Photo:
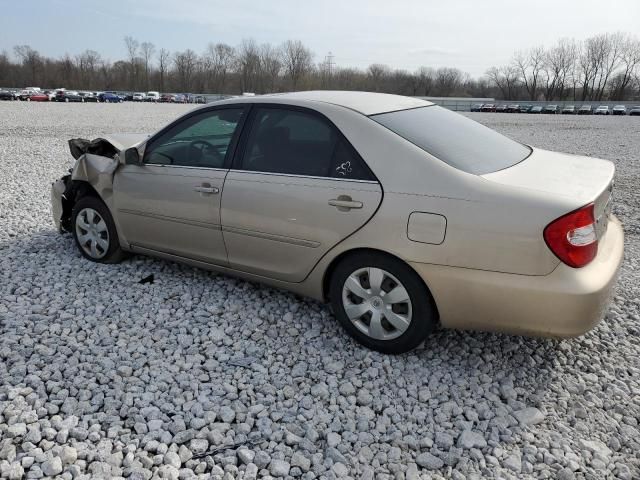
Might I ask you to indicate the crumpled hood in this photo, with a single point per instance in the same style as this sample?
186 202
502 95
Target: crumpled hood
122 141
107 145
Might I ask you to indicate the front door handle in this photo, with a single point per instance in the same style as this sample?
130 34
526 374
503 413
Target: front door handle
206 188
344 203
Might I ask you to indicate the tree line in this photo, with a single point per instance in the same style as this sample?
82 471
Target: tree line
601 67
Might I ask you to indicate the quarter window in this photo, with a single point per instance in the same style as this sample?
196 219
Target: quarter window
299 143
198 141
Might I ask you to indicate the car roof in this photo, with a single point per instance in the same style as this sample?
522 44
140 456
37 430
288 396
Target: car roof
366 103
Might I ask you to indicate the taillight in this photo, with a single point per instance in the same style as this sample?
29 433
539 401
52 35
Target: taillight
572 237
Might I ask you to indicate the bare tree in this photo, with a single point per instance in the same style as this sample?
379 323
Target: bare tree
530 65
630 62
270 67
219 60
185 63
132 50
248 61
378 73
448 80
147 49
506 79
30 59
163 63
558 68
298 61
88 63
425 77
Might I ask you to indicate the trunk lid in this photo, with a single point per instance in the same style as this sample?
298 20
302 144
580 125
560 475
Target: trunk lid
581 180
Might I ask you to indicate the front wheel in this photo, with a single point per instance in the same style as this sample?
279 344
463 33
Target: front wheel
95 232
382 303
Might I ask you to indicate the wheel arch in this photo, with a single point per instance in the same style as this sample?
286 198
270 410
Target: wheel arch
328 273
76 189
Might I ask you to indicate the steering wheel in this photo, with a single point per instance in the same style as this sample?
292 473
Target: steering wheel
204 145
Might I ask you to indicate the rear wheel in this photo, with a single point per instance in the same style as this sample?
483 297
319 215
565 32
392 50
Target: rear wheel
95 232
382 303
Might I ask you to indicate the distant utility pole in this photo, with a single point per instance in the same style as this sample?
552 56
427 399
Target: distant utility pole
329 62
328 70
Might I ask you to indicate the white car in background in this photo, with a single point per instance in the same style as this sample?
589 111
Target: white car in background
139 97
153 96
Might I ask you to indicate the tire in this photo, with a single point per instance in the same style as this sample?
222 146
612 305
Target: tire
101 244
352 275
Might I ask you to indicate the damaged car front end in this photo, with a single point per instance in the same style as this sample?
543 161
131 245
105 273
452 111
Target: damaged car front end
96 162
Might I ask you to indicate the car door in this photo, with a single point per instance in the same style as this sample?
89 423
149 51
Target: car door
171 201
296 189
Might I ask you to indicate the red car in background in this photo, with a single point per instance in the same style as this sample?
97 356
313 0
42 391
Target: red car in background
38 97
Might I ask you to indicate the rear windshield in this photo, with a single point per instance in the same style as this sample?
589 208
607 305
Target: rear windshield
455 139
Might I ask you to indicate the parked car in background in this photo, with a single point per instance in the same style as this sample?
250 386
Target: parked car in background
51 94
88 96
501 108
635 111
619 110
569 110
139 97
602 110
536 109
166 98
200 99
585 110
525 108
68 96
37 97
179 98
553 109
152 96
477 107
7 95
25 94
109 97
488 107
482 234
513 108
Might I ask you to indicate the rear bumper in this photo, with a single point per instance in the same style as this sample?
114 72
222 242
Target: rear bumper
566 303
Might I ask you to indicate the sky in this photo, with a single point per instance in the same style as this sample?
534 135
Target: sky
472 35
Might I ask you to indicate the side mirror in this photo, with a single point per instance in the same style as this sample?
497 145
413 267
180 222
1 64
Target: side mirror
132 156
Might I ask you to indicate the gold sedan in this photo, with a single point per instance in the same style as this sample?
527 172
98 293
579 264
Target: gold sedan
402 214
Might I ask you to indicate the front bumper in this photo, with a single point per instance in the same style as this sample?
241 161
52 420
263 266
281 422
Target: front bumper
57 191
566 303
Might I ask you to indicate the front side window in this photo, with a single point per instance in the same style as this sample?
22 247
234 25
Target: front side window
198 141
455 139
299 143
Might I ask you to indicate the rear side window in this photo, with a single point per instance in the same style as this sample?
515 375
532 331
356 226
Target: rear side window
455 139
299 143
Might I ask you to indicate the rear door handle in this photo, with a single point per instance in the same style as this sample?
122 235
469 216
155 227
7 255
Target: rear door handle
206 189
344 203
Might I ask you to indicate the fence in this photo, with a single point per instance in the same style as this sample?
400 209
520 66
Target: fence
465 104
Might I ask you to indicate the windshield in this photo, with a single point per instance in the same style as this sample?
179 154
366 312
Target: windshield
455 139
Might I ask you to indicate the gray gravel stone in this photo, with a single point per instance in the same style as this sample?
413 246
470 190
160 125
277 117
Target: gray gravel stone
52 467
429 461
279 468
529 416
470 439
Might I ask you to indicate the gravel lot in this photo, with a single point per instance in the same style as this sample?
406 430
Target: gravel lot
103 377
